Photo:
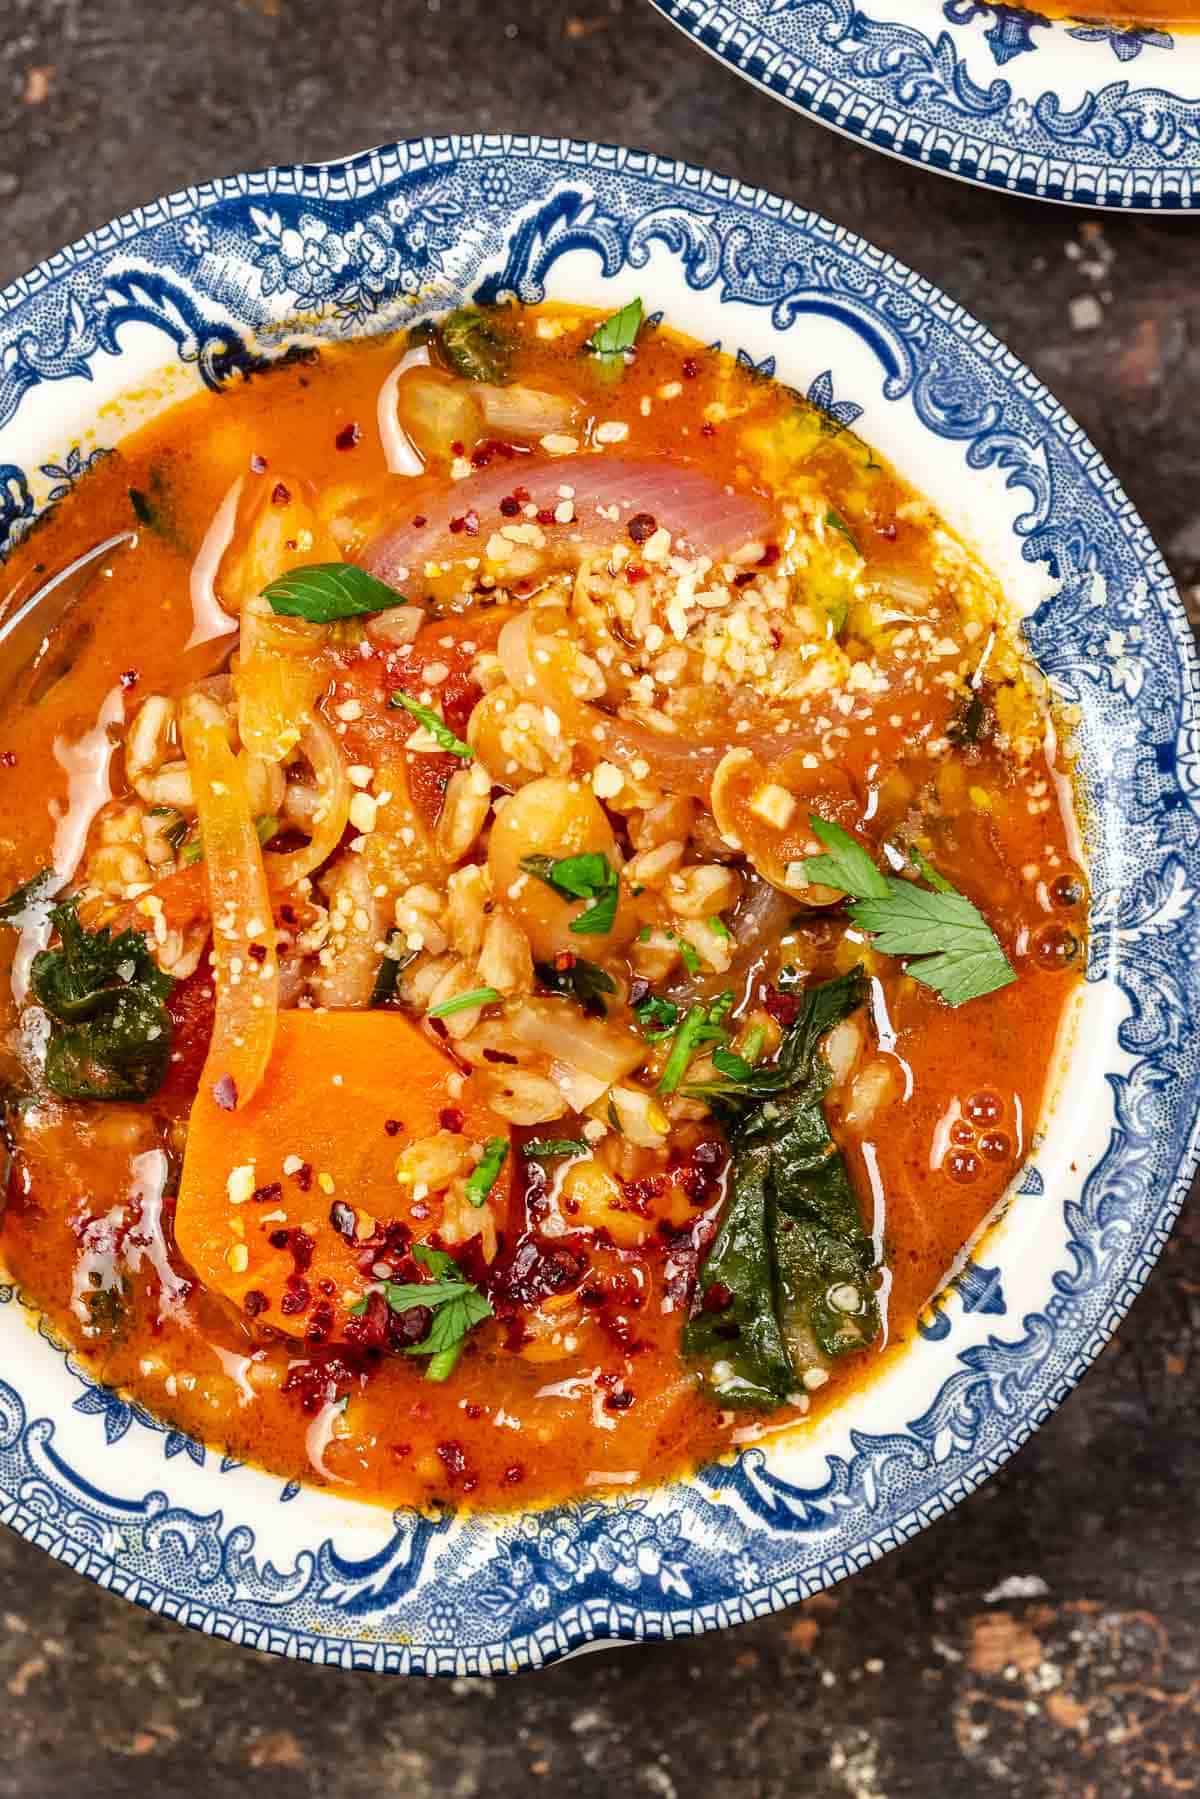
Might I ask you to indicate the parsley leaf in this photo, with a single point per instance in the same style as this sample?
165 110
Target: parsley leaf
618 333
947 942
581 980
486 1173
456 1303
589 876
437 727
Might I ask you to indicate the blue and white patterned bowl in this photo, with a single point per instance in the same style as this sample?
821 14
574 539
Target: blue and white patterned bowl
195 290
1093 114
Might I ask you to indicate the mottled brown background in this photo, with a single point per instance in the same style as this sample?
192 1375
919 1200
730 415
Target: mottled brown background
1045 1639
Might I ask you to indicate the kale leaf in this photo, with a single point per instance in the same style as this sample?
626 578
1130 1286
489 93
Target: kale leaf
474 347
110 1032
787 1281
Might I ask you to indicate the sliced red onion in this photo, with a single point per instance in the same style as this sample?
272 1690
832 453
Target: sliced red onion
704 517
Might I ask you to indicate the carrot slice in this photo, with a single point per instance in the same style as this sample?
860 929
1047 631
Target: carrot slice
279 1198
243 952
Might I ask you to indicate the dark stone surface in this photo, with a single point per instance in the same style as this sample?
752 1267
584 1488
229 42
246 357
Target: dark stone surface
1043 1640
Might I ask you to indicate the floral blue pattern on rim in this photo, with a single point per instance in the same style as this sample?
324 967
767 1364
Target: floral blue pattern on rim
214 274
1077 122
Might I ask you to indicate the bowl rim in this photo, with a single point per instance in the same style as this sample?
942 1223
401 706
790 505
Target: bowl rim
1049 154
595 1624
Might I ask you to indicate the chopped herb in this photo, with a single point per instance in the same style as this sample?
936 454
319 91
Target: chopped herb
438 729
463 1002
322 592
457 1306
836 522
618 333
590 876
837 612
110 1035
701 1025
487 1171
645 934
948 944
30 903
657 1017
581 980
390 969
474 347
845 864
729 1063
790 1270
719 926
688 954
546 1149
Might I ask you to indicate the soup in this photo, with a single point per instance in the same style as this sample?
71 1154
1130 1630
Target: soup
543 905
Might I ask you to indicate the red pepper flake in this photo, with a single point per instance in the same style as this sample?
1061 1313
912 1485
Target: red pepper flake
296 1299
303 1177
473 1412
744 578
258 464
225 1093
8 758
546 516
564 960
769 556
273 1190
456 448
514 1474
302 1246
254 1303
279 1239
716 1297
280 495
419 521
258 952
619 1402
690 369
510 506
708 429
288 914
400 1450
635 572
129 679
450 1119
348 436
392 1126
320 1324
887 532
641 526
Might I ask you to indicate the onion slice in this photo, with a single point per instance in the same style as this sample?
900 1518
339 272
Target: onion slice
245 966
704 517
209 617
399 451
318 743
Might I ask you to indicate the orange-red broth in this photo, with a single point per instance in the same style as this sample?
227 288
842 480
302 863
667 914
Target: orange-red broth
538 1422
